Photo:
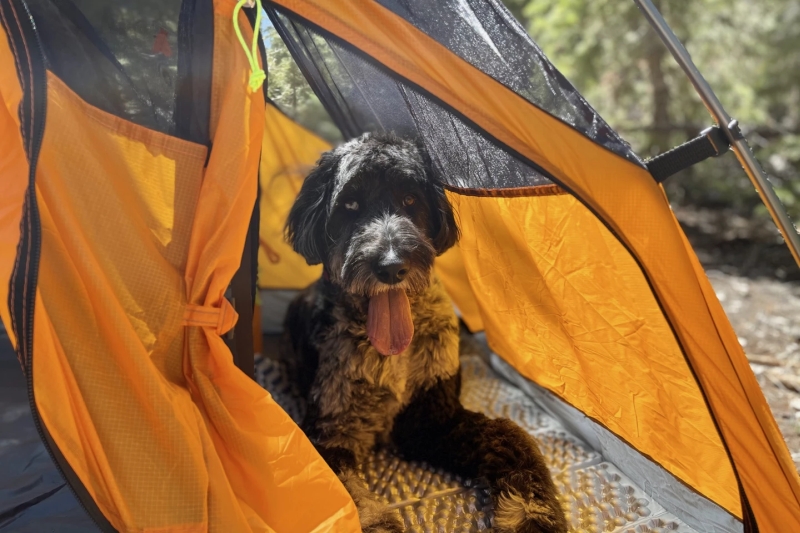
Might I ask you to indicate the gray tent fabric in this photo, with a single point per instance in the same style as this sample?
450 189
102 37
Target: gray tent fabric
34 498
657 483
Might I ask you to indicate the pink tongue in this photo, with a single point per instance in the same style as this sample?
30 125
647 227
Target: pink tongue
389 324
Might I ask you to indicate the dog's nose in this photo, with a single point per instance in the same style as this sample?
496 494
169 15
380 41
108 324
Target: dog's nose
392 271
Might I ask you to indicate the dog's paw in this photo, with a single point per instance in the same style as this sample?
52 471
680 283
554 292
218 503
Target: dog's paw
524 506
373 514
375 517
388 521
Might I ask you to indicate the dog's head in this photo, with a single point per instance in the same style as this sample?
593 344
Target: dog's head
375 216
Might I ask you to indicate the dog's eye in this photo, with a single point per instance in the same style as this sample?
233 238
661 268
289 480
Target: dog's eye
409 200
352 206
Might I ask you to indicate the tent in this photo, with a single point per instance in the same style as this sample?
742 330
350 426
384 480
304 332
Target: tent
130 153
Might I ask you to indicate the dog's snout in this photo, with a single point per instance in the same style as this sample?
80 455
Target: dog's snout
391 271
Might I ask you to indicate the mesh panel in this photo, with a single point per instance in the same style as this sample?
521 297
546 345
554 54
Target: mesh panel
288 90
121 57
362 96
486 35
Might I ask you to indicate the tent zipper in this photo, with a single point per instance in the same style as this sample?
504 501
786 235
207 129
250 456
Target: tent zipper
38 94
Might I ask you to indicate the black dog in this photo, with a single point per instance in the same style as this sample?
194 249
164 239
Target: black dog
375 340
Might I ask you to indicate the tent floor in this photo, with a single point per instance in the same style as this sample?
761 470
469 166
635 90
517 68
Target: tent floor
595 494
33 495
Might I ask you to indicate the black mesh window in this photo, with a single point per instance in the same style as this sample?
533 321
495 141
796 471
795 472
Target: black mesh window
289 91
361 95
486 35
123 57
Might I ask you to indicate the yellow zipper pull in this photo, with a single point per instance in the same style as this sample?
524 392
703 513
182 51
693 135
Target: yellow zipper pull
257 74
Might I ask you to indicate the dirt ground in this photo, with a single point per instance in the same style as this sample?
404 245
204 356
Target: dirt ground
758 284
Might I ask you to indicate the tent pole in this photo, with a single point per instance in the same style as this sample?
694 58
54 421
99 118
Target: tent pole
731 128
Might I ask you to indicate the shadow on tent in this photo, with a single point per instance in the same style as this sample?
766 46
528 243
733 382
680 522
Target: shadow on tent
33 495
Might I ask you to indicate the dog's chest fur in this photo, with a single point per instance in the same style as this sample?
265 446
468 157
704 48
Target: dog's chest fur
356 390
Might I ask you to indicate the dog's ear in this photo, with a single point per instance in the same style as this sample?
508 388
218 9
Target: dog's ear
305 227
444 230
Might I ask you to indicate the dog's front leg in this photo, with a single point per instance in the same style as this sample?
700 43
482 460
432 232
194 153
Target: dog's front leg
374 516
435 428
343 441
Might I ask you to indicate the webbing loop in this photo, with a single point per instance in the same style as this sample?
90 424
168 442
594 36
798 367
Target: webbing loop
221 317
712 142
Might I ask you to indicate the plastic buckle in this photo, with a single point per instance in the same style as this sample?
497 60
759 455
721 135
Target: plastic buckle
717 139
736 132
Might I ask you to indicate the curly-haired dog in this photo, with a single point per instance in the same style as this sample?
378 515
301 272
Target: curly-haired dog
375 340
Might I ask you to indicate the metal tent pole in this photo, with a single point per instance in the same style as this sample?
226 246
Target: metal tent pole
731 128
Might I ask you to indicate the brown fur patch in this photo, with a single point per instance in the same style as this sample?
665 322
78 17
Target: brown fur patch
373 515
512 510
356 391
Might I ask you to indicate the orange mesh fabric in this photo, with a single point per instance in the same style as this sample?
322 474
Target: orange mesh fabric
139 242
108 334
13 175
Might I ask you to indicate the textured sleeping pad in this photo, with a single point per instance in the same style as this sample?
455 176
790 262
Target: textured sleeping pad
596 496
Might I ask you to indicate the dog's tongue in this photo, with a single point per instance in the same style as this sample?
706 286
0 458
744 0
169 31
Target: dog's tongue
389 324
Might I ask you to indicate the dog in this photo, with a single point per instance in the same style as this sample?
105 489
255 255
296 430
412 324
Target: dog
374 342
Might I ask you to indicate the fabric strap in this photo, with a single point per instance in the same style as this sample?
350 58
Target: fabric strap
222 317
711 142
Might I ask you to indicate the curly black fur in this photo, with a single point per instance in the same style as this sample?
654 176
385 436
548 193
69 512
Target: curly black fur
367 202
435 428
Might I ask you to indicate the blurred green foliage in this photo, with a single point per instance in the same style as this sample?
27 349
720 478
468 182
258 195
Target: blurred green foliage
288 89
748 51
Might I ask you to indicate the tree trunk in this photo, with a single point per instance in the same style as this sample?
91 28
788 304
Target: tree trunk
659 137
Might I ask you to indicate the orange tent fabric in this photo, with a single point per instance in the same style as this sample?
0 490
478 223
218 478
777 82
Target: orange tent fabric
590 290
132 380
558 289
289 151
13 162
451 271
